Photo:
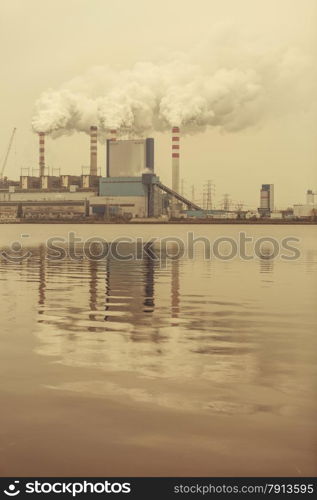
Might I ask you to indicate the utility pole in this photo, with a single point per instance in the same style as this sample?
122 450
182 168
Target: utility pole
182 187
239 207
193 193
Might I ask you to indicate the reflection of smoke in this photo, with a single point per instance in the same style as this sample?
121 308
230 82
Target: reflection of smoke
216 85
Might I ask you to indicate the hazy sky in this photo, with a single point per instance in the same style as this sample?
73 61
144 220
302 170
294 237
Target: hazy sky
47 43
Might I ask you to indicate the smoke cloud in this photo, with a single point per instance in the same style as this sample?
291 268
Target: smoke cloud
216 85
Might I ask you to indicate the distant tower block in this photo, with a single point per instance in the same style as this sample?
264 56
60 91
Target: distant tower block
310 197
175 158
113 134
42 153
267 198
93 150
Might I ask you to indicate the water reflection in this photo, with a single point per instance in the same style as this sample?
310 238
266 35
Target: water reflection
203 328
42 277
175 290
266 262
229 340
149 277
206 323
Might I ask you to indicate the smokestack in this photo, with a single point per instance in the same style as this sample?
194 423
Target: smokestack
175 158
42 153
93 151
112 138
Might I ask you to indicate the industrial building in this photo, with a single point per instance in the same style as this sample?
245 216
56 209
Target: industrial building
129 189
309 209
126 188
129 158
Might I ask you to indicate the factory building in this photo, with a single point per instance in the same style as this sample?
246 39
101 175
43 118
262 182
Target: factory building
54 210
266 200
131 183
50 196
307 210
138 195
130 186
310 197
43 209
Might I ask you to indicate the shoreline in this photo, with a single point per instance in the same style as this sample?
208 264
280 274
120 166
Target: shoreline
173 222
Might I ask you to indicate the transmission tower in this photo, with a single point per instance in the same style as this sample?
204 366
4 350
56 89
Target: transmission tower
208 194
226 202
182 187
193 193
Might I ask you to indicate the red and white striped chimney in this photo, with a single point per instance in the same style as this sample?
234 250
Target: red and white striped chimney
175 158
113 135
42 153
93 150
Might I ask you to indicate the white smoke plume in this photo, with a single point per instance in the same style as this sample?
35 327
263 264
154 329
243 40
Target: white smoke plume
222 87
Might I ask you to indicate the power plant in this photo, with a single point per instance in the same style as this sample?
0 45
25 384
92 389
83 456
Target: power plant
130 188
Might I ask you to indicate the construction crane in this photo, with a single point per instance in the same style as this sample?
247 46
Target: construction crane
7 154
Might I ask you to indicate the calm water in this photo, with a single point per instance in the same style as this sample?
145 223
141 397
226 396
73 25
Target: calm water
193 367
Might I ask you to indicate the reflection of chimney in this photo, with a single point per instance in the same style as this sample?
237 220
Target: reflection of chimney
93 291
93 150
149 282
175 158
113 135
42 277
42 153
175 290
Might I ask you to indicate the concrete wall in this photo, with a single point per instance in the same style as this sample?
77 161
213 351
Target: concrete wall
68 180
129 157
47 195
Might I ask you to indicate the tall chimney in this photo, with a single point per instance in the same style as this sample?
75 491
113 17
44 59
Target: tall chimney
113 135
93 150
175 158
42 153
